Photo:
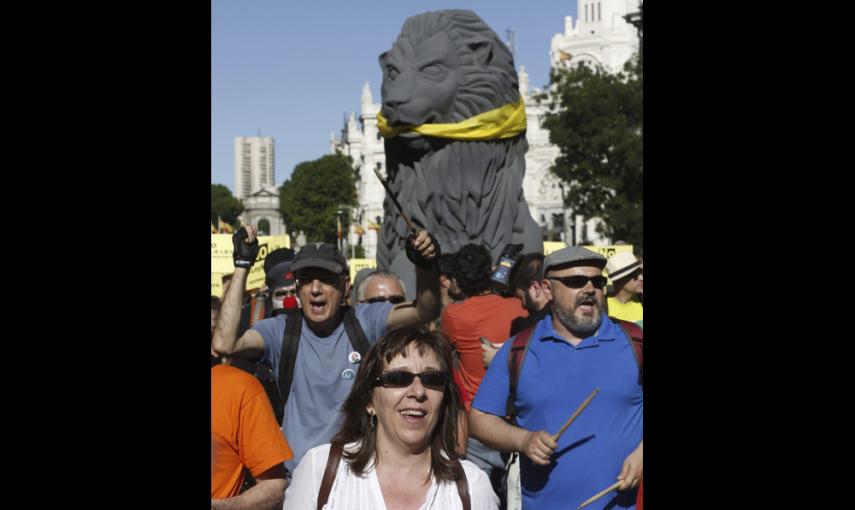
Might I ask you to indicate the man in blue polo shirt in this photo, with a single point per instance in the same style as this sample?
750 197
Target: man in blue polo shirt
572 351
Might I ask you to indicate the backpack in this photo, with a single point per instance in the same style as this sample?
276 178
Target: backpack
291 342
332 469
264 373
633 334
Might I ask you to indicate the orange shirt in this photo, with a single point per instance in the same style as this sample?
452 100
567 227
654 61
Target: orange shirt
466 322
244 431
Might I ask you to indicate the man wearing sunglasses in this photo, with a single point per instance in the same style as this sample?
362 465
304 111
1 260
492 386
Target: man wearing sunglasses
627 277
381 286
571 352
326 361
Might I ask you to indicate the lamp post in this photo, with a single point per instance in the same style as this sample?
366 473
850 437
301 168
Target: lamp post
342 236
571 218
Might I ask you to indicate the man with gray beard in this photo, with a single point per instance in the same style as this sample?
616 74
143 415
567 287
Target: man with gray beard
569 353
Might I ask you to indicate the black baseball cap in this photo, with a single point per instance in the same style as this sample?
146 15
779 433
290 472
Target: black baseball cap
322 255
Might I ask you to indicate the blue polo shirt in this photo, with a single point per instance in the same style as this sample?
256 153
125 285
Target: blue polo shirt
556 377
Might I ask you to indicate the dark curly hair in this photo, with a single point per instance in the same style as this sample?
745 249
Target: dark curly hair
357 427
472 267
528 268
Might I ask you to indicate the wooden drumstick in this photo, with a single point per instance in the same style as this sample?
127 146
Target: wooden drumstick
576 413
600 494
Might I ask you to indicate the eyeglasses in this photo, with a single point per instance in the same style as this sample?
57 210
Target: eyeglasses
392 299
402 379
578 281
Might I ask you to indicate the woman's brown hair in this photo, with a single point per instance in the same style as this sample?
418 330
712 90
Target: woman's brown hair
357 427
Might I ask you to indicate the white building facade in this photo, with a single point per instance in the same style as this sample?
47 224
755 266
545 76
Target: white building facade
255 184
254 164
262 210
601 36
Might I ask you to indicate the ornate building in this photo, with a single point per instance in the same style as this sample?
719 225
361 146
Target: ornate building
255 177
600 36
262 210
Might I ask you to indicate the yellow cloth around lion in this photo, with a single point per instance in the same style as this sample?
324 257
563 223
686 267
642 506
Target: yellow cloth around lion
504 122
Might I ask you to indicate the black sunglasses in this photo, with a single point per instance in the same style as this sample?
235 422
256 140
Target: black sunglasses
392 299
401 379
578 281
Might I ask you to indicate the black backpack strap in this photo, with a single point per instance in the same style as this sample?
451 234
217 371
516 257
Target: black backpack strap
463 488
354 331
333 460
290 344
635 337
517 353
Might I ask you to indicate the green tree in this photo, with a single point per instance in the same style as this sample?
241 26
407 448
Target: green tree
311 199
224 205
596 122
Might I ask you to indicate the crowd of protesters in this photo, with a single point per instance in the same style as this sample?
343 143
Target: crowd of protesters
334 394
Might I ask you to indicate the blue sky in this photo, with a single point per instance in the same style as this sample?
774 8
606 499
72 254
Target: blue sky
294 69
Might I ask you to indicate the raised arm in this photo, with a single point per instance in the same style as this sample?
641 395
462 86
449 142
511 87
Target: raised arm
225 341
423 252
496 433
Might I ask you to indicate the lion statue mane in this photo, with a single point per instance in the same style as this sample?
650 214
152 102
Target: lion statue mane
444 68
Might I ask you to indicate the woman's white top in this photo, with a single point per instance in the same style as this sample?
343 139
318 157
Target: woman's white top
352 492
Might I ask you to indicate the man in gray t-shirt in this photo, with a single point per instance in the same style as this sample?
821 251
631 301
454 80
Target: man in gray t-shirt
326 364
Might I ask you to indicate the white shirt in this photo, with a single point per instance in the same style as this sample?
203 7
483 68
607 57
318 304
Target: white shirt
352 492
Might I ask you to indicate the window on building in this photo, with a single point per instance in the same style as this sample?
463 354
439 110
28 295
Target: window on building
599 12
263 227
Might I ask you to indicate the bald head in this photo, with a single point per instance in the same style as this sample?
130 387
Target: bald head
380 284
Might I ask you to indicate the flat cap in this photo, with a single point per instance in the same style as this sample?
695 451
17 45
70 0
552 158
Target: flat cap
575 255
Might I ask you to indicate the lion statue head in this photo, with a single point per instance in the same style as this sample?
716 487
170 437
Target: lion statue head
446 70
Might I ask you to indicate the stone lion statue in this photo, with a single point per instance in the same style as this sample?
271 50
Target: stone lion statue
454 128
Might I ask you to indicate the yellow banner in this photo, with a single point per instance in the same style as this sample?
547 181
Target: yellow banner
610 251
357 264
221 256
551 246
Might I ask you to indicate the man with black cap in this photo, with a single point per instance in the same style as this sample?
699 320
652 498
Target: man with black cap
569 353
280 282
327 354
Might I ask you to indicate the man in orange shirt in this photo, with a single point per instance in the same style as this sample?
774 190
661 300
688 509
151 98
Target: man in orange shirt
481 314
244 433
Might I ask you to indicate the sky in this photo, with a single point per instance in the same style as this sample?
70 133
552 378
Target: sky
293 69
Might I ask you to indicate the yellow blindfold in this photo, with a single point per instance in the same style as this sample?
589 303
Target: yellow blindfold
506 121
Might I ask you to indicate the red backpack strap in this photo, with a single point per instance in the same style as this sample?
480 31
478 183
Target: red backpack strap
329 474
635 337
516 355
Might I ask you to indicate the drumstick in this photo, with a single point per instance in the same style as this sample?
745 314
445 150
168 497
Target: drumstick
395 202
576 413
599 495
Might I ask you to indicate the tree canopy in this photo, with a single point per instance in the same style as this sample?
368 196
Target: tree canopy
596 122
311 199
224 205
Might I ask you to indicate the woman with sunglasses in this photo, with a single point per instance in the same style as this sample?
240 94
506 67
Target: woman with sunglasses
397 444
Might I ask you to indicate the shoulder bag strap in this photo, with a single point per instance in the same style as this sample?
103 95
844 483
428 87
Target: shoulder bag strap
329 474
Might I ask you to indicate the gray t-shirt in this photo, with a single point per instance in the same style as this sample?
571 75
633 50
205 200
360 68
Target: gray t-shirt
323 375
